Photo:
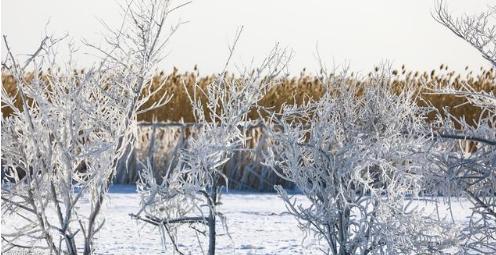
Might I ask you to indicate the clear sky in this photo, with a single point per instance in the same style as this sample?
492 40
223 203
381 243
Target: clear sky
359 33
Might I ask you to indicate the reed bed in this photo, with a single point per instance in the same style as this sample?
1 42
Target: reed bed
308 87
245 170
291 90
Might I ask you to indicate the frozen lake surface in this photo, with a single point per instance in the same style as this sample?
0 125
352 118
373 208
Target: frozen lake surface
257 222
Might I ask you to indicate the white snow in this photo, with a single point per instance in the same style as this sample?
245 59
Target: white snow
257 222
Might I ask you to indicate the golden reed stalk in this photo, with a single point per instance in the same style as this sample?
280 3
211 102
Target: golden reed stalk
306 87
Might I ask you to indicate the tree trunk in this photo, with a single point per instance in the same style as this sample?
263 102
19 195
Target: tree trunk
211 218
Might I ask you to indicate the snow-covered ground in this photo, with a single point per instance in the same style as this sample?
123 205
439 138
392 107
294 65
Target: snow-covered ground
257 224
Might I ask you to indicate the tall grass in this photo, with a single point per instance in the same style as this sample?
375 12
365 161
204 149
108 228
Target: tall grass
291 90
245 170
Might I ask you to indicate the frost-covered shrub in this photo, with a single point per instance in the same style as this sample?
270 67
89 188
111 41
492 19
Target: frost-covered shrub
64 141
468 174
472 173
198 176
358 155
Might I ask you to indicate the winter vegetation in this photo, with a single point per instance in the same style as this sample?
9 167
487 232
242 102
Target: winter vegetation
71 131
386 163
197 178
357 155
